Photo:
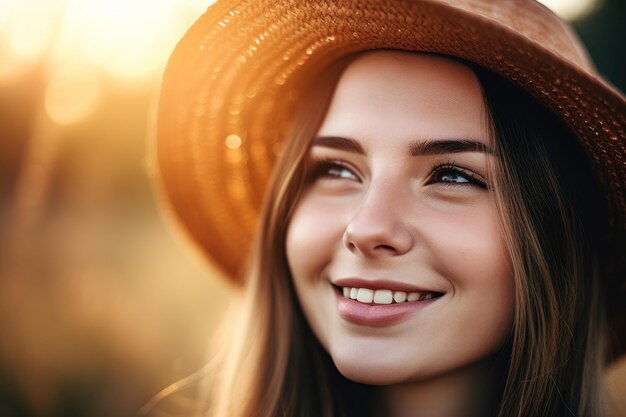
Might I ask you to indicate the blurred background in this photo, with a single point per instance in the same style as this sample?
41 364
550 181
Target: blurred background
102 304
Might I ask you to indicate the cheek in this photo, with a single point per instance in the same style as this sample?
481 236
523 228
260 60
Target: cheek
464 241
312 235
472 254
471 247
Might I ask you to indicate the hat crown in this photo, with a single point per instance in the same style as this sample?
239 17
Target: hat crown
532 20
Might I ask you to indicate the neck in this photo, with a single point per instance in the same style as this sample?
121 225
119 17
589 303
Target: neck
471 391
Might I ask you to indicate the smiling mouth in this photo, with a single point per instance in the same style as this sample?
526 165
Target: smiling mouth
385 296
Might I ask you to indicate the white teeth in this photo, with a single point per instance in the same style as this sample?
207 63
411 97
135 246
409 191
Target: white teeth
353 293
365 295
399 296
368 296
413 296
383 297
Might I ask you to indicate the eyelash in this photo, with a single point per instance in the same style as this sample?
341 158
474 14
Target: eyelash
320 166
451 167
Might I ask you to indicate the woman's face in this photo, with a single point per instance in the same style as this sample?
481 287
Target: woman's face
398 212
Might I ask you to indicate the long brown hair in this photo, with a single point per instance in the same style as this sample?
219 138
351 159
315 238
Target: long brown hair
552 219
554 222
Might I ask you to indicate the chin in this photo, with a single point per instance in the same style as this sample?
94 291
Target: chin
371 373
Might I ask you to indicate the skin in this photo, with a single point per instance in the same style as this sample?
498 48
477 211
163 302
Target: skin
380 212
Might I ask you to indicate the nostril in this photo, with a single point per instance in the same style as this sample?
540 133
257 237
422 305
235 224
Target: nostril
385 248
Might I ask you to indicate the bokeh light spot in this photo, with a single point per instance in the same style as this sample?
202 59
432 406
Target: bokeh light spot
571 9
233 142
30 30
71 95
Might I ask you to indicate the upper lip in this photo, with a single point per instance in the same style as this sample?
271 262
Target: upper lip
376 284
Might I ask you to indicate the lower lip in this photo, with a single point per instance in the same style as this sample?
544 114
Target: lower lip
377 315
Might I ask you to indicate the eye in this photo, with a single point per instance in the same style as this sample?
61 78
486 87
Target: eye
450 174
331 169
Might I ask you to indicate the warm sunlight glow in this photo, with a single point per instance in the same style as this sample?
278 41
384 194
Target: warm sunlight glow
125 38
571 9
71 95
128 40
30 29
20 47
11 66
6 10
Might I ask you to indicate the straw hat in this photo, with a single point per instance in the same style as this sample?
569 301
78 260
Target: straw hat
230 85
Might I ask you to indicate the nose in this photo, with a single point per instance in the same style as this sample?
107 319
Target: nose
377 227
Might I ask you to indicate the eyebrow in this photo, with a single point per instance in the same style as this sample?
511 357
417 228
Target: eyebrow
416 148
339 143
437 147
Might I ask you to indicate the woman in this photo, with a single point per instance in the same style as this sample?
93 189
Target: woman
434 240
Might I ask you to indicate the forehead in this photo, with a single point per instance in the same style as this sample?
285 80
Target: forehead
390 93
